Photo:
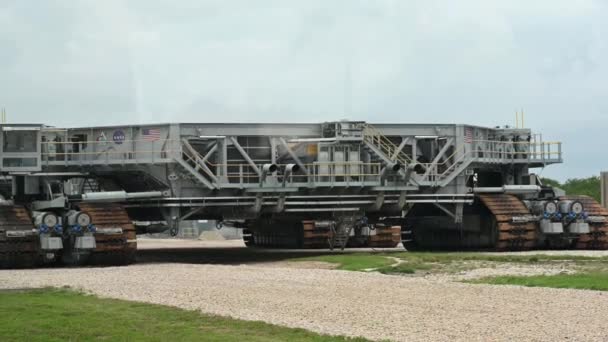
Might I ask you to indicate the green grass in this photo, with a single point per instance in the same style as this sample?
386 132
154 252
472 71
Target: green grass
432 257
585 281
63 315
444 262
352 261
405 268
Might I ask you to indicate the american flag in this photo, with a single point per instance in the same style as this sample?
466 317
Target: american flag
150 134
468 135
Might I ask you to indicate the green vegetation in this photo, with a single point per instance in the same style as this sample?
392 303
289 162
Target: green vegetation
406 267
455 257
411 262
578 186
586 281
61 315
354 261
591 272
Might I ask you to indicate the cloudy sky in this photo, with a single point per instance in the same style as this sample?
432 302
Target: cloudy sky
81 62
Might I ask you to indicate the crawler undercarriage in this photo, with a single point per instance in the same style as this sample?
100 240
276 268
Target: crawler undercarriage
503 222
77 196
66 236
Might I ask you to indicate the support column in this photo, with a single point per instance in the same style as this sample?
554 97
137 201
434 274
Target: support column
604 187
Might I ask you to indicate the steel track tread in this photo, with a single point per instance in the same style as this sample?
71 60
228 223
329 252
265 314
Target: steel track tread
511 235
22 252
315 237
598 238
386 237
111 249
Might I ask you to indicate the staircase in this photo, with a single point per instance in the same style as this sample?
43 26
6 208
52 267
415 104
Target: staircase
453 170
389 152
193 162
340 233
90 185
384 147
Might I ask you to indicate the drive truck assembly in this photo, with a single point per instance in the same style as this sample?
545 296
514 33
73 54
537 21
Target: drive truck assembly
74 195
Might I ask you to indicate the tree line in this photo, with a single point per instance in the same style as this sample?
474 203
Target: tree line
589 186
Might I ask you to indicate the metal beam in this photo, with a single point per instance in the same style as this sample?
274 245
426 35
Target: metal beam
280 204
404 142
378 202
402 199
245 156
191 212
446 210
439 155
293 155
208 154
378 152
404 173
195 156
194 173
273 150
257 206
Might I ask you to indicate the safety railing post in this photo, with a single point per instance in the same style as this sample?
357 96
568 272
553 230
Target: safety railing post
542 148
241 174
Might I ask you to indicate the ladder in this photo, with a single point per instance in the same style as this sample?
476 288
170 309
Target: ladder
340 233
385 146
390 152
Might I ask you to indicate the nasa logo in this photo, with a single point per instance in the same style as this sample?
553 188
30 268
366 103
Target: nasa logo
118 137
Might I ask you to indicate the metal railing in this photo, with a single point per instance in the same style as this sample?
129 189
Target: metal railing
385 145
85 153
534 151
106 152
492 151
316 172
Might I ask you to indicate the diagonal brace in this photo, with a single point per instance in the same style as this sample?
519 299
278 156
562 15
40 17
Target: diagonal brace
245 156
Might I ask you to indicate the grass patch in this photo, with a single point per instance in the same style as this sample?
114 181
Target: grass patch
61 315
430 257
407 267
399 269
354 261
449 262
584 281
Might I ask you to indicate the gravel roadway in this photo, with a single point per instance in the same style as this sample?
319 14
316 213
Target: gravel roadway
348 303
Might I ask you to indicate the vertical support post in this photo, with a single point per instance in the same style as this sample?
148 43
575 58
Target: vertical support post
241 175
175 145
273 150
458 212
542 151
222 160
414 150
273 155
133 154
604 188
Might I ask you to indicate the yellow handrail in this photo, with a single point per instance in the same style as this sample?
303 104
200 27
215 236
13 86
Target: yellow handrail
384 144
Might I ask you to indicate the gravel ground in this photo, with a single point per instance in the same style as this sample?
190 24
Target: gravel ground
501 269
587 253
350 303
148 243
155 244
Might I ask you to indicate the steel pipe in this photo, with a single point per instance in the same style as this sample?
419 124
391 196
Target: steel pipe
116 196
508 189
